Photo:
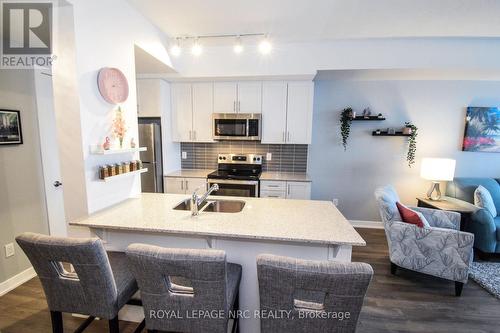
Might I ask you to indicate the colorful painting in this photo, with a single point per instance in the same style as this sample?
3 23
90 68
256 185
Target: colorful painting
482 130
10 127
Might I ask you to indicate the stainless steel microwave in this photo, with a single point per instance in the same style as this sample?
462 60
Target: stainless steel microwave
237 126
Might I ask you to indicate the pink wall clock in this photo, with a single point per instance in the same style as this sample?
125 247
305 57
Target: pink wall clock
113 85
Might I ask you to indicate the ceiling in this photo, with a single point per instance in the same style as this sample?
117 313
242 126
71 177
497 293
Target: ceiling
315 20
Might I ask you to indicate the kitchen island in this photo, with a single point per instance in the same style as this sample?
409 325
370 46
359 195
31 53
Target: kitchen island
306 229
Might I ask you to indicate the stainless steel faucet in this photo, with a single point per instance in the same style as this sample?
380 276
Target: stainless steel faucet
196 201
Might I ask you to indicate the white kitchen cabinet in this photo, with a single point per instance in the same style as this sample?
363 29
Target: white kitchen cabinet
149 98
299 112
285 189
179 185
182 112
287 112
225 97
238 97
298 190
192 107
196 183
249 97
274 111
203 101
174 185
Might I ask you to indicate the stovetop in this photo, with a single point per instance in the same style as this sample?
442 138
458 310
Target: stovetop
238 167
238 175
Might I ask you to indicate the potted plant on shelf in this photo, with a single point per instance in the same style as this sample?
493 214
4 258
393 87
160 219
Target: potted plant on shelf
411 130
345 125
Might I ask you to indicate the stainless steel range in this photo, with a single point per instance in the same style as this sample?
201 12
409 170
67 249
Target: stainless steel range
237 175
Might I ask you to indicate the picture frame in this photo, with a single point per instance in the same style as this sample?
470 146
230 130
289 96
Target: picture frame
10 127
482 130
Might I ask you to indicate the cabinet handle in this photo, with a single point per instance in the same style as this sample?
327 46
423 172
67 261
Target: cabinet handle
288 189
272 185
288 137
182 184
234 106
239 106
187 187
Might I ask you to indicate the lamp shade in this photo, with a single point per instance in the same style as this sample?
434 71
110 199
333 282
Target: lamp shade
438 169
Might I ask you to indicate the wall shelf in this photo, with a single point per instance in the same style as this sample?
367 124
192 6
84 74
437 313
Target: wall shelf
97 150
358 118
123 175
385 133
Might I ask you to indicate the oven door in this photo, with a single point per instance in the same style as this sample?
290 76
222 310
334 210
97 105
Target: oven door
235 188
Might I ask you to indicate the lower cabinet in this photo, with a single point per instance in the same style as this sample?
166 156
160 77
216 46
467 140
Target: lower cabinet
179 185
285 189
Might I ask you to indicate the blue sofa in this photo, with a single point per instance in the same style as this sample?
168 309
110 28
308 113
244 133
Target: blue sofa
486 228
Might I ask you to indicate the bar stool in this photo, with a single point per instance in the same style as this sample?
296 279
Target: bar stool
100 285
310 296
185 290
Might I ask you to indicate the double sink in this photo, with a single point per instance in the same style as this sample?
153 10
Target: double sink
214 206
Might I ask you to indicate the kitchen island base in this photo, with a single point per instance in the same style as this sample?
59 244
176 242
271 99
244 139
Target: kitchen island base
240 251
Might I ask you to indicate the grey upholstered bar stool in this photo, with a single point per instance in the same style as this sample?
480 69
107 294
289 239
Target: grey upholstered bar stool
183 281
99 287
317 294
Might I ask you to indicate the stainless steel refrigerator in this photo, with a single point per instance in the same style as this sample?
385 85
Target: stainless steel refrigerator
150 137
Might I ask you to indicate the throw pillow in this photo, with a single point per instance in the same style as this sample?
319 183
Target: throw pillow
411 216
483 199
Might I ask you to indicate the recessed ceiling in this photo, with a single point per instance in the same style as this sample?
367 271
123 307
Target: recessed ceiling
313 20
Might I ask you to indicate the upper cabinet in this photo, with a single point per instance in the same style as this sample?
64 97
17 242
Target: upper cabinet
148 98
238 97
286 108
192 108
287 112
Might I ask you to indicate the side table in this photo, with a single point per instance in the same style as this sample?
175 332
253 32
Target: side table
450 204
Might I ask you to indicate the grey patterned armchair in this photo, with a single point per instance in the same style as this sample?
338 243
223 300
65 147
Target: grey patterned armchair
441 250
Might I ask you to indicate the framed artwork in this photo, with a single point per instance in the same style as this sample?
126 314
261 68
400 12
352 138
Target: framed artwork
10 127
482 130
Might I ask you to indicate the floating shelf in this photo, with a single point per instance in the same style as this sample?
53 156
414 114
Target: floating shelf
358 118
385 133
97 150
123 175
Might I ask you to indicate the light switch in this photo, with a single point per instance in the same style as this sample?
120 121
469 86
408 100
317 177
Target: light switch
269 156
9 250
184 155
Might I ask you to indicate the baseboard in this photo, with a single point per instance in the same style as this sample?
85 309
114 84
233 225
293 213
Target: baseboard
16 281
367 224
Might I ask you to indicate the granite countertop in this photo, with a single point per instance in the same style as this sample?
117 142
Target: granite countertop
299 221
283 176
190 173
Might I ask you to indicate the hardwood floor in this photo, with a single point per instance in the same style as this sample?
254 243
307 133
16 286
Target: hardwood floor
407 302
414 302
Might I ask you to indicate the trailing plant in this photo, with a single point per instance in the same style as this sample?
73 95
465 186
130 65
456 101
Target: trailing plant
345 125
412 143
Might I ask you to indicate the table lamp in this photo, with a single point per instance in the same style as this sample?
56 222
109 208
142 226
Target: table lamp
436 170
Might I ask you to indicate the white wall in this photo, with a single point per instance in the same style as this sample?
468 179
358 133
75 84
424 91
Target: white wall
436 107
105 34
22 203
307 58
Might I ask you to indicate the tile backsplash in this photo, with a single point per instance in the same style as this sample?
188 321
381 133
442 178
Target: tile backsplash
285 158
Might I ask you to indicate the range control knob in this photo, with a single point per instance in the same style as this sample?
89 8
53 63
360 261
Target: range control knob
220 157
258 158
224 158
254 159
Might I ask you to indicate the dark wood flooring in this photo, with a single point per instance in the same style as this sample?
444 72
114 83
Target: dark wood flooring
407 302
